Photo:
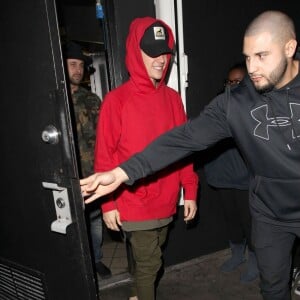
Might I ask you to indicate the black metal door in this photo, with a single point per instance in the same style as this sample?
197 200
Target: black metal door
44 252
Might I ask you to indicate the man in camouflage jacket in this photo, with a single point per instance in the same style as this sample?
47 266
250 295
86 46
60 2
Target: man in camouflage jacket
85 110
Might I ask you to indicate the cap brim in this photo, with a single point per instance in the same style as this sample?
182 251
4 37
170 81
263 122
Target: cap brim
86 59
153 52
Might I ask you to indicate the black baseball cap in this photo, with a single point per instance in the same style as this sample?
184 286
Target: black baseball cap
155 40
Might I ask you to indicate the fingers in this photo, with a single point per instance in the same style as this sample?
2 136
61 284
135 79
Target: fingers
85 181
189 217
190 209
91 198
113 226
118 219
102 183
112 219
97 185
90 183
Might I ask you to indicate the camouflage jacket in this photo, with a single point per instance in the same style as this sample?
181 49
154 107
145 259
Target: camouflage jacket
86 107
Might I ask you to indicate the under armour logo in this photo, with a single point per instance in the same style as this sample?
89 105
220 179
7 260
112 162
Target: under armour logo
264 122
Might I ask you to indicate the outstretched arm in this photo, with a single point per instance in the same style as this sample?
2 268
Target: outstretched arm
197 134
100 184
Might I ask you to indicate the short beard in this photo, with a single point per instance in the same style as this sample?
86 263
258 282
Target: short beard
265 89
75 82
275 77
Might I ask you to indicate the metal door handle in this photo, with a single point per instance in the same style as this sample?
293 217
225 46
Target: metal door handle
50 135
62 207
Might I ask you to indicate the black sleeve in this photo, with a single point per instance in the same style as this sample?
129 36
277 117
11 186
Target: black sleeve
195 135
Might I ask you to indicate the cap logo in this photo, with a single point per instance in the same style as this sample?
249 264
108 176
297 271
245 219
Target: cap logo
159 33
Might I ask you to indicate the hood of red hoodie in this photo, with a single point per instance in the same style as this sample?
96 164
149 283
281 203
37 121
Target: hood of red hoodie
134 62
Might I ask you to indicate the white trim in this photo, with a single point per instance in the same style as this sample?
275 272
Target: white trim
165 10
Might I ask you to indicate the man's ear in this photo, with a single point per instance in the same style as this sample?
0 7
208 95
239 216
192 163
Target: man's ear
290 48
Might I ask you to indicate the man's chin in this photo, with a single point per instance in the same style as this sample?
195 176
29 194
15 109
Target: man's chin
264 89
75 82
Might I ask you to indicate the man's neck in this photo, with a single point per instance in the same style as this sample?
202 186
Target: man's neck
296 67
155 82
74 88
291 72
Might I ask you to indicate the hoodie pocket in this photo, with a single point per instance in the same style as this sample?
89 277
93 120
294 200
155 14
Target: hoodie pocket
280 197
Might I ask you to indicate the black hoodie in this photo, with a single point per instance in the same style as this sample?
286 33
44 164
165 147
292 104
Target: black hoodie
265 127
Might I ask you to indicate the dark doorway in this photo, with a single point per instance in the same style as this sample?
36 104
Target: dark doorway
44 251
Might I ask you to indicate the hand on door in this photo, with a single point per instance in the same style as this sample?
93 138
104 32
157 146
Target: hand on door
103 183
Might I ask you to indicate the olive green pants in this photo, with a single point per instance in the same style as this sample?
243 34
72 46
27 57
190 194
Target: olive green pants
146 260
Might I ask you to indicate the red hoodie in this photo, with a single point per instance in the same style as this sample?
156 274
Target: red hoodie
132 116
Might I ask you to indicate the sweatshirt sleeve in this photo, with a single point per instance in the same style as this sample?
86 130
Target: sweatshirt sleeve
107 139
189 182
188 178
196 134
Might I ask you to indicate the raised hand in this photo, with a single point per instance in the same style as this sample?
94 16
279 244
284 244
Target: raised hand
103 183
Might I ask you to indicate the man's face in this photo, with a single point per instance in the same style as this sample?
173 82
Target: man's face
266 61
155 66
75 70
235 76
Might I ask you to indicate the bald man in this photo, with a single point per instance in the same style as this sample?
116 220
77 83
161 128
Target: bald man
262 114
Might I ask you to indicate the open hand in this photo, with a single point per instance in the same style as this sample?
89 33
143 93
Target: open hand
103 183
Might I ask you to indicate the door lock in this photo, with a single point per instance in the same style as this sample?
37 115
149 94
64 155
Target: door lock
60 202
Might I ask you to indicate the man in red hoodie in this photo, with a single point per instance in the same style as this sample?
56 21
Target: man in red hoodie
131 117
